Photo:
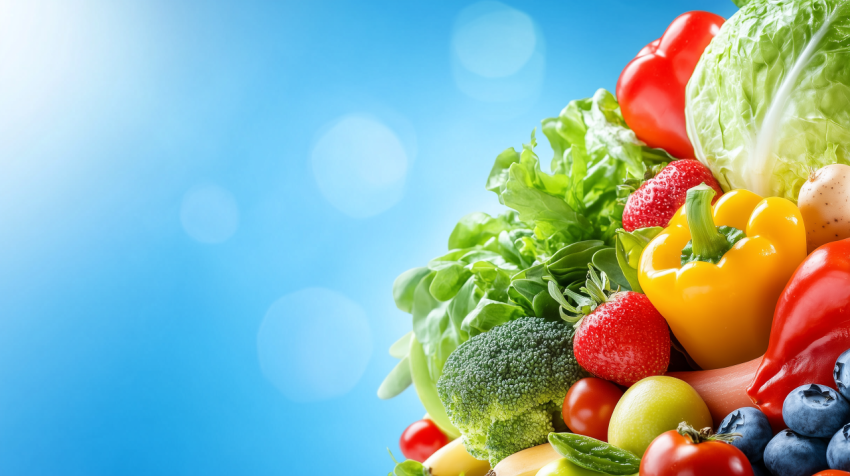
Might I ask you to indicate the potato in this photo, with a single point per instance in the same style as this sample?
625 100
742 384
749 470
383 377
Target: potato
824 202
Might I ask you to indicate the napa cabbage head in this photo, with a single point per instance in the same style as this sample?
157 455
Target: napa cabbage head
769 99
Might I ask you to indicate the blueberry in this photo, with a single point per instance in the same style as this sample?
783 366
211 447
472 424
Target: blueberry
754 428
838 451
790 454
815 410
759 469
841 373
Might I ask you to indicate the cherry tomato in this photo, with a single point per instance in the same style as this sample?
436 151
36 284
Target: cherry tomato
421 439
672 454
833 472
588 407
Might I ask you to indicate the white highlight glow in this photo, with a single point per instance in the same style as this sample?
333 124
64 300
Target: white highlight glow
314 344
209 214
498 53
496 43
360 166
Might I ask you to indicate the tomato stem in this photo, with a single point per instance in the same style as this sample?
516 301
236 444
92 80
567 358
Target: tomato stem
706 434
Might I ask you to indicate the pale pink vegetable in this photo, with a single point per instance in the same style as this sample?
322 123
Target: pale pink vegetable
824 202
723 390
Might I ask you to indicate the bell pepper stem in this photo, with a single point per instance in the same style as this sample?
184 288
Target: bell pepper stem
705 238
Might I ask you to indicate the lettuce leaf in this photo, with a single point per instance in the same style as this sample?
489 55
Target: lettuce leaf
595 152
768 100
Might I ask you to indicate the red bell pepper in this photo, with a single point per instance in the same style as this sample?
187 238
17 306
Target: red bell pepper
811 328
651 88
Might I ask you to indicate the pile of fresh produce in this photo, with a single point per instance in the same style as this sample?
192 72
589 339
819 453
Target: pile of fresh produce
673 297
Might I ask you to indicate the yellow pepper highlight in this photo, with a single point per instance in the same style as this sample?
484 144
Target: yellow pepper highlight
721 313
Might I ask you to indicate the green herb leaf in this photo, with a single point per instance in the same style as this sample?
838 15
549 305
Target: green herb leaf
404 286
397 381
408 467
476 228
595 455
606 261
447 281
489 314
629 247
401 347
545 306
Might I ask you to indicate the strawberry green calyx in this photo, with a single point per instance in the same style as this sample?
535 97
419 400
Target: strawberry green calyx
597 290
708 242
706 434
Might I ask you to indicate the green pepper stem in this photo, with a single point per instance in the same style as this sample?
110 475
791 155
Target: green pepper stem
705 239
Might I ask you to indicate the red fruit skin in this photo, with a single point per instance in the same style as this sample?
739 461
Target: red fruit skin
588 407
659 198
672 454
421 439
651 88
623 340
811 328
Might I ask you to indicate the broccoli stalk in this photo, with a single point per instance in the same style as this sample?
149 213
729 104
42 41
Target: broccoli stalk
504 389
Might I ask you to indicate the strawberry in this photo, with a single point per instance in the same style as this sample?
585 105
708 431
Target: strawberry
660 197
621 337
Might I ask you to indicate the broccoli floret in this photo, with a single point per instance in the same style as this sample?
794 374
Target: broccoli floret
504 389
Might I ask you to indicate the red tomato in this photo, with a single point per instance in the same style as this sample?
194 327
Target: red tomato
651 88
672 454
588 407
832 472
421 439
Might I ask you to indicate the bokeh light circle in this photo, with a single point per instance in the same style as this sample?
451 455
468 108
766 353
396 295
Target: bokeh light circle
497 42
498 54
209 213
314 344
360 166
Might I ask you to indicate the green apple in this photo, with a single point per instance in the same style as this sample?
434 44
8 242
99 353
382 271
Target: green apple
651 407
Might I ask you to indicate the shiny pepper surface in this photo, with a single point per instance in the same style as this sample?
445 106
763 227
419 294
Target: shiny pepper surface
721 313
811 328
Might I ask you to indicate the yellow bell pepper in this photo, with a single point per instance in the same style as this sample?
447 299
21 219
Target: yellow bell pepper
721 311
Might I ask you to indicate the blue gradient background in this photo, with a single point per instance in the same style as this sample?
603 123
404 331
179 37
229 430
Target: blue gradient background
127 347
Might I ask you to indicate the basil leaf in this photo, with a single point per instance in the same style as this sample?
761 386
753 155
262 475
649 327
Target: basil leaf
523 291
464 302
569 265
404 286
489 314
411 468
545 306
408 467
606 260
447 281
595 455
